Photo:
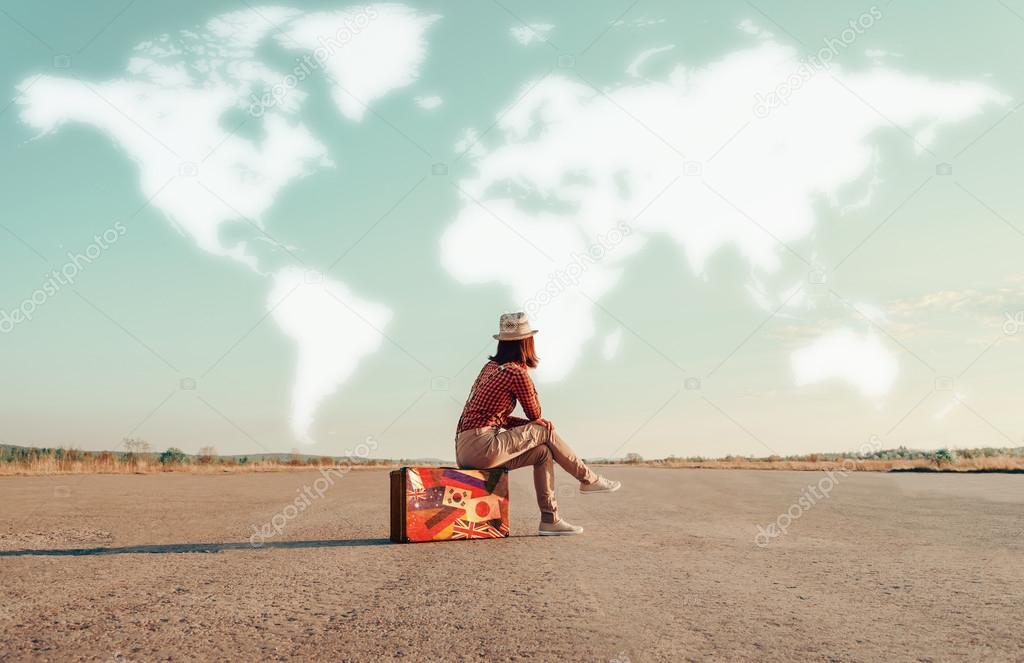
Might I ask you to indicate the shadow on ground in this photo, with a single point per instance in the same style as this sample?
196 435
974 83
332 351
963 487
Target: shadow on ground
189 548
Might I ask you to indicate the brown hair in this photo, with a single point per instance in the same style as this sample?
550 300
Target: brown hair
521 351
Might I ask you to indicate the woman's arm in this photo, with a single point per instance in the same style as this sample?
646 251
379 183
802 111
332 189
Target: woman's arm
526 393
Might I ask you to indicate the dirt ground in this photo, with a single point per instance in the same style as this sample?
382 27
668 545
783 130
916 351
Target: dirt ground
160 567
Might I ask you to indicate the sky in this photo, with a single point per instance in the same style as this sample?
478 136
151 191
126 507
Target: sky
746 228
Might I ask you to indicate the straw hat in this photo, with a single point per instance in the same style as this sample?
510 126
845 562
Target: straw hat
514 327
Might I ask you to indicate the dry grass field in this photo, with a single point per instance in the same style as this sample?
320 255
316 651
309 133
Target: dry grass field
984 464
22 461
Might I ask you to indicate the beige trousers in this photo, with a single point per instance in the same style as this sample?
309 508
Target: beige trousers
530 444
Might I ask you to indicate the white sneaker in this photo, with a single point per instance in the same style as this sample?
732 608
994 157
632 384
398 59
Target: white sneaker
602 485
559 528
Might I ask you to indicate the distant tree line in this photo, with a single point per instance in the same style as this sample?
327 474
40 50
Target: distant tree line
937 456
136 453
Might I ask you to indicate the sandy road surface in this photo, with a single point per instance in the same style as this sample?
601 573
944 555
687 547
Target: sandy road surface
889 567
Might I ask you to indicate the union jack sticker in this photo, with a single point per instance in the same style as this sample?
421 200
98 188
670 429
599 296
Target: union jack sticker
464 529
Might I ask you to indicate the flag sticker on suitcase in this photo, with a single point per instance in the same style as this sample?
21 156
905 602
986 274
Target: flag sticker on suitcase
447 503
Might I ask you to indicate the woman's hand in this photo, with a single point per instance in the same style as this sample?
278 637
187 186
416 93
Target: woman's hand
546 424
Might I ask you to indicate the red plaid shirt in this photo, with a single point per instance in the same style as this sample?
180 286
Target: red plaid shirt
494 396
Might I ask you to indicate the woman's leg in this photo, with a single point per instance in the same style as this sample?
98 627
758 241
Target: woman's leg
474 449
514 441
531 444
543 478
570 462
482 449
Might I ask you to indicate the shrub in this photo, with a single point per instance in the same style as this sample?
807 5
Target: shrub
135 446
944 456
173 456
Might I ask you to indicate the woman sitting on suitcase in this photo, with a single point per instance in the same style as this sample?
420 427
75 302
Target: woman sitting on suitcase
489 437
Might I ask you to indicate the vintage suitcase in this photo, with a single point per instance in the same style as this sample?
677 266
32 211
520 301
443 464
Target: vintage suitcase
446 503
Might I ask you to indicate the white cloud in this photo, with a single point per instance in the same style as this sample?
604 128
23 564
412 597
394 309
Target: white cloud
567 162
859 360
333 330
878 54
367 52
993 301
752 28
534 32
430 102
642 22
167 114
611 343
201 174
634 67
